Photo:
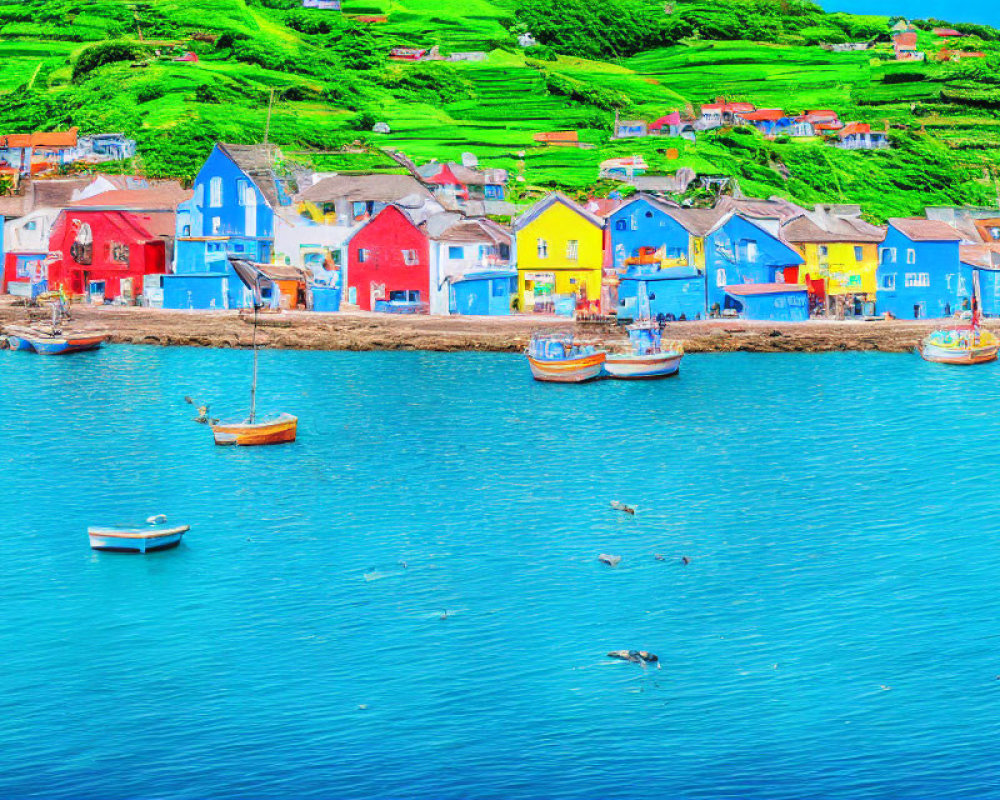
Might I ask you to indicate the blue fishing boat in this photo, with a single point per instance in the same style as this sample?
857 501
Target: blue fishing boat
157 535
646 355
558 358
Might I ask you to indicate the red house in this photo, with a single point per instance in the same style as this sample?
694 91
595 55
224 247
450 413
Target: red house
388 264
117 248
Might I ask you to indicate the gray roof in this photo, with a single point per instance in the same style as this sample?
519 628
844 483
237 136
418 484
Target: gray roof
467 230
547 202
698 221
925 230
830 228
374 188
257 161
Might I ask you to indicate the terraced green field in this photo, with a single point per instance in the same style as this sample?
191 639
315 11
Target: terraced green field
491 108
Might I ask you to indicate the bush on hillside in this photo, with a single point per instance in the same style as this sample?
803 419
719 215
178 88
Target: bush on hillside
608 29
428 82
357 49
104 53
582 93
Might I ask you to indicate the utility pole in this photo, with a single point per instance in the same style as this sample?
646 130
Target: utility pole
267 126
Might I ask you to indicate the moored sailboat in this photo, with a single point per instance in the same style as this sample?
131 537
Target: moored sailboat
255 430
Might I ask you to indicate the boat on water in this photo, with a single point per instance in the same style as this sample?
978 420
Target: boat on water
255 430
962 344
156 535
54 342
646 356
559 358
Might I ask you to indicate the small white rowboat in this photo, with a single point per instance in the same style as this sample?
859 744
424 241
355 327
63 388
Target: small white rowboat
137 540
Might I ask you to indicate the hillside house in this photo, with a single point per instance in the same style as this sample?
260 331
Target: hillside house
947 33
860 136
720 113
816 123
918 272
465 188
388 265
25 249
462 247
322 5
769 121
105 147
840 251
558 138
903 26
623 168
35 153
408 54
630 129
673 125
944 54
559 255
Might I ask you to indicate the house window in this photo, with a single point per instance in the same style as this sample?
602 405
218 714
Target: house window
245 193
917 279
30 226
82 249
119 252
499 289
859 253
911 256
362 255
186 230
621 225
543 248
572 249
456 253
410 258
199 194
215 192
824 251
649 215
720 277
748 248
635 222
889 282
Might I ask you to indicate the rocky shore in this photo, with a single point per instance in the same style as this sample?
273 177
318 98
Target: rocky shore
364 331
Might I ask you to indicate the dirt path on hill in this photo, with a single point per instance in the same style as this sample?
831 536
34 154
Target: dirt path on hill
364 331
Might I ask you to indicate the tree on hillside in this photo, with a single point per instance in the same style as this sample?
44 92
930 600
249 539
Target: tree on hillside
609 29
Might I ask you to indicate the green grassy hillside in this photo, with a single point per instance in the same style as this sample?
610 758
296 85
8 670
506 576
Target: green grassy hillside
93 63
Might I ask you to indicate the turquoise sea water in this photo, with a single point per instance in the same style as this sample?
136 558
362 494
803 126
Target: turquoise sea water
835 634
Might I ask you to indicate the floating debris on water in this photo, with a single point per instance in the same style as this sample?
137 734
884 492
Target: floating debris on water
635 656
611 561
619 506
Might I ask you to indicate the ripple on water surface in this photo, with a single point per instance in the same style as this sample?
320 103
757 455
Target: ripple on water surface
407 601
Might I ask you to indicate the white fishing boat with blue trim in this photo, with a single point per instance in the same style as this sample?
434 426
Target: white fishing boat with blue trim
646 356
155 536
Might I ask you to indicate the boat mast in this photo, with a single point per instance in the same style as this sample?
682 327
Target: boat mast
253 385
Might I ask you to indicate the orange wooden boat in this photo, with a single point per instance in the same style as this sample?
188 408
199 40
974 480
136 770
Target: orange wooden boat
277 430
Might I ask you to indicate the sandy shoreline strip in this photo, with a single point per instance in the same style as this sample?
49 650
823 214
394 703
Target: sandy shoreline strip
366 331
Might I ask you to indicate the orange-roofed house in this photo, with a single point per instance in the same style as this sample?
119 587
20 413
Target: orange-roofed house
558 138
769 121
944 54
32 153
721 113
860 136
947 33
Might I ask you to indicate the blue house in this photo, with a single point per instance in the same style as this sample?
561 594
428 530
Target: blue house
739 251
918 273
657 252
487 293
777 302
236 194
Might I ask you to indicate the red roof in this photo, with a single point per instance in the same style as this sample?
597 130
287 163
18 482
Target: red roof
902 39
55 139
748 289
673 118
855 127
165 198
946 32
764 115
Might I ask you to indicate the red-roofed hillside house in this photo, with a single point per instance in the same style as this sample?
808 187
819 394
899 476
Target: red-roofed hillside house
106 253
388 265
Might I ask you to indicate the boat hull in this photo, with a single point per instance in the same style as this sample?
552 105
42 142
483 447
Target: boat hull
136 540
277 431
17 343
632 367
960 356
570 370
67 345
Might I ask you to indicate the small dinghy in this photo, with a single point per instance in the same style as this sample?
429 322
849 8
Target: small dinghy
53 340
156 535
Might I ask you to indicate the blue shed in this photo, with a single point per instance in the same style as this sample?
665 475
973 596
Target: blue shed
980 271
777 302
918 270
738 251
677 293
487 293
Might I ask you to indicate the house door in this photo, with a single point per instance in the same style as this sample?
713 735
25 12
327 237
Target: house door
250 210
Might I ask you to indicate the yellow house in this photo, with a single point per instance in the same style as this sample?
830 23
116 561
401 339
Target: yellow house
840 249
560 254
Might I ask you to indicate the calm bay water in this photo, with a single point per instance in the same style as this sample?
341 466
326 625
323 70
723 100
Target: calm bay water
836 632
